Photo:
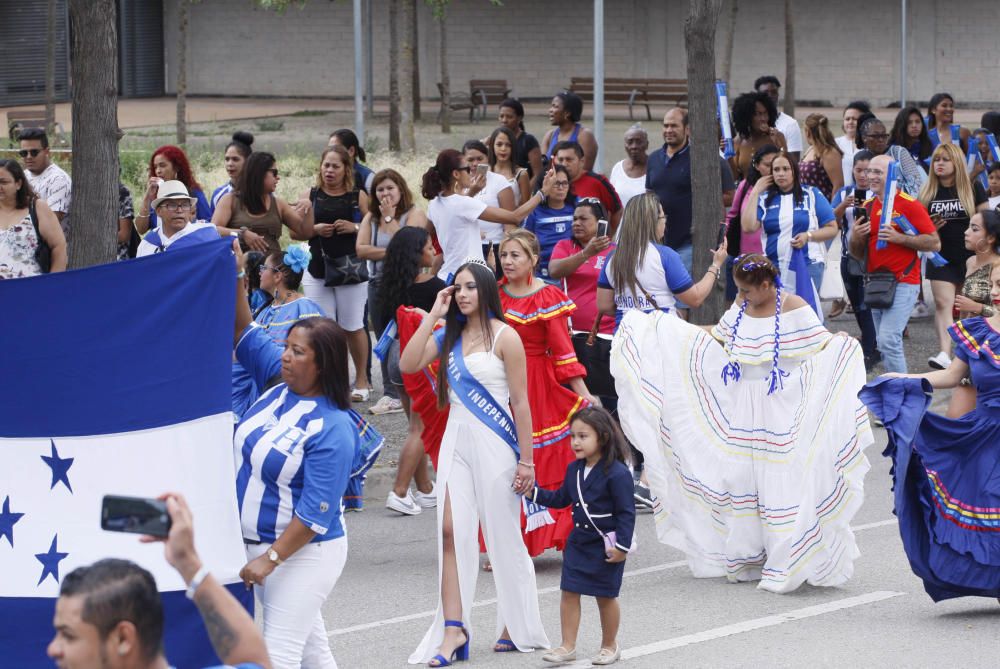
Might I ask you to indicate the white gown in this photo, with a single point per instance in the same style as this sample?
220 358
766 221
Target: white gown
476 468
751 486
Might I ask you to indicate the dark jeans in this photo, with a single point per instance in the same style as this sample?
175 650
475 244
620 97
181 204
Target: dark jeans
855 288
378 325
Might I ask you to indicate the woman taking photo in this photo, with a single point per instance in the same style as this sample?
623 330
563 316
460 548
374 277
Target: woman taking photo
528 153
821 164
254 211
292 523
642 273
337 279
502 148
754 115
19 233
565 113
793 218
406 281
496 192
456 216
909 132
552 221
236 154
482 468
395 211
951 199
169 163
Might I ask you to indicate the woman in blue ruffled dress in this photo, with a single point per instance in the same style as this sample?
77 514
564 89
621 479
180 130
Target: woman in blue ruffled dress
946 471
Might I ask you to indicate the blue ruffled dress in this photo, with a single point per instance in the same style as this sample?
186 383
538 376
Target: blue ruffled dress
946 472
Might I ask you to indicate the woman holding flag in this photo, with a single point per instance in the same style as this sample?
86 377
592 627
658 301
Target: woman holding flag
486 461
796 221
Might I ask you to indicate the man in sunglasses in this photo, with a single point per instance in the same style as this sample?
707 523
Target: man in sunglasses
47 179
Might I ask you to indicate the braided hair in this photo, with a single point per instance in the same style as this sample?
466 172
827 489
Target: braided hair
754 269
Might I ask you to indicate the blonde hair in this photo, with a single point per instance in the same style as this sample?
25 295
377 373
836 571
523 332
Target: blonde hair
636 232
345 158
819 132
963 184
526 240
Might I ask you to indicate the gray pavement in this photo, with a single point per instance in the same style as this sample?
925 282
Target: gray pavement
384 601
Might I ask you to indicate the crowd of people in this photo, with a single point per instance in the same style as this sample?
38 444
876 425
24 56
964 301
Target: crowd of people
520 323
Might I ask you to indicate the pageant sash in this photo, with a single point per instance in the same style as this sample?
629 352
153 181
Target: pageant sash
727 130
479 401
888 198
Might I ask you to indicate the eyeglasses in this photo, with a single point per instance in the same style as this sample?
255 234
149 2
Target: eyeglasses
274 172
24 153
176 206
266 267
560 184
881 136
464 168
874 173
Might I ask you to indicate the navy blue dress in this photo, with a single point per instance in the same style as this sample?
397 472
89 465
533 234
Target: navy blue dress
946 472
607 495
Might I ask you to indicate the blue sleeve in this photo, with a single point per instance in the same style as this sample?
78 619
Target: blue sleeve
204 208
824 212
621 487
259 354
727 175
329 457
838 197
554 499
602 280
529 223
678 279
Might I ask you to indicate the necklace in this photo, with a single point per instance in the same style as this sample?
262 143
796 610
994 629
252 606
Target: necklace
289 297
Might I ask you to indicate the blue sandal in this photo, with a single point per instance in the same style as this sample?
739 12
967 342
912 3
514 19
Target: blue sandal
460 654
504 646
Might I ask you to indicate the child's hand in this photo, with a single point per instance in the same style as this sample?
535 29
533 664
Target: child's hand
617 556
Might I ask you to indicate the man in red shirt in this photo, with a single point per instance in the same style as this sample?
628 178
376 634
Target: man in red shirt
899 257
586 183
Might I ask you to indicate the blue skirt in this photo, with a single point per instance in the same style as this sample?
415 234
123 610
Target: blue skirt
946 482
584 568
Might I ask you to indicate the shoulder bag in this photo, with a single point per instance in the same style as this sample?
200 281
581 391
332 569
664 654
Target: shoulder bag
43 253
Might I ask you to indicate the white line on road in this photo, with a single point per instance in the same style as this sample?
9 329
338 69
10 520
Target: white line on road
543 591
749 625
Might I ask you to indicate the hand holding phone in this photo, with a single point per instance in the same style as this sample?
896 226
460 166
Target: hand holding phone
602 228
135 515
482 168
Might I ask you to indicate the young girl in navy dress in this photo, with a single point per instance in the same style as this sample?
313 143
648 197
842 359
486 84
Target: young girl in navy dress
598 486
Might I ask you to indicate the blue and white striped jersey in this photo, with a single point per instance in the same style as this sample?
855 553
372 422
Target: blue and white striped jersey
294 454
782 218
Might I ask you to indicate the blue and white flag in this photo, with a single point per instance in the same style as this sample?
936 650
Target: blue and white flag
797 280
116 380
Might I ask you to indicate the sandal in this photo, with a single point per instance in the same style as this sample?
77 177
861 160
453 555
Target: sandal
504 646
460 654
361 394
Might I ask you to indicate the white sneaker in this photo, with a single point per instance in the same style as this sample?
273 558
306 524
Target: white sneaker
386 405
939 361
920 310
404 505
426 500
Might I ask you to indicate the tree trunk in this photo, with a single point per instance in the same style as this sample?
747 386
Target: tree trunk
445 81
725 71
182 41
394 76
409 98
50 67
789 101
706 183
94 62
414 24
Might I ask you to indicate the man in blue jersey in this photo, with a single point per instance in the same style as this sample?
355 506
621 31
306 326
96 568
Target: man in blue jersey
109 614
175 209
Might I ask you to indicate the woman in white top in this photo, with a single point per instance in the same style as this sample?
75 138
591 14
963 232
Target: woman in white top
503 157
629 176
496 192
847 142
448 185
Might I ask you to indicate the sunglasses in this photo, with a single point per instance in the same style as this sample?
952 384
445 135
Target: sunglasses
274 172
24 153
465 168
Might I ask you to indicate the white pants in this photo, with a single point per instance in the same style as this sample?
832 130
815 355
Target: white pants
344 304
292 597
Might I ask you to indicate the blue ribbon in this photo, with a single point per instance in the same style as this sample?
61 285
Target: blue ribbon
727 131
479 401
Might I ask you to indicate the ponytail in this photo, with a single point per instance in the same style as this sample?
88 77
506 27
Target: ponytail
438 177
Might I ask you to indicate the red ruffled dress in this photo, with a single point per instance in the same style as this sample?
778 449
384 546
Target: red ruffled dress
541 320
422 387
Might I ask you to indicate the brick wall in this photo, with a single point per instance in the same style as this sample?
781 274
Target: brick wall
537 45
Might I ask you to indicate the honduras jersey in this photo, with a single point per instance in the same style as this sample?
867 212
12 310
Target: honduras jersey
294 454
783 218
192 233
550 226
218 194
661 273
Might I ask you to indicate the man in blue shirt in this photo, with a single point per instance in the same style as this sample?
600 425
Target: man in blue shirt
668 174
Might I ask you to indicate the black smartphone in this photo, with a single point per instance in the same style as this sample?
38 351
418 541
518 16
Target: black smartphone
860 195
136 515
602 228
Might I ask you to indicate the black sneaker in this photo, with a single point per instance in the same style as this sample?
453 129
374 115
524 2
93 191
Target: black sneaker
642 495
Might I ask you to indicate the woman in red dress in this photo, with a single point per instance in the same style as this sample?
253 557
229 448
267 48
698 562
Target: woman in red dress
539 313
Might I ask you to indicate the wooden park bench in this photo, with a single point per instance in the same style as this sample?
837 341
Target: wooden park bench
482 93
31 118
634 91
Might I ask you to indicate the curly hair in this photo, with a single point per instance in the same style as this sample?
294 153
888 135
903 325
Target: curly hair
400 268
744 108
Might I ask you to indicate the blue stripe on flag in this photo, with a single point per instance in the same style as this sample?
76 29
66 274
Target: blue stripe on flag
80 343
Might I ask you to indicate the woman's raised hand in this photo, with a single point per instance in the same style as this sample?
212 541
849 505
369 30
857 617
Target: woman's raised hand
547 181
442 302
720 254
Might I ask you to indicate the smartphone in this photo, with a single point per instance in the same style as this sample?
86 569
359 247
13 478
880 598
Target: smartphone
482 168
602 228
859 213
136 515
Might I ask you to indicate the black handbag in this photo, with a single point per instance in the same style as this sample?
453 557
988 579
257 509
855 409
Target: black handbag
43 253
594 353
344 270
880 287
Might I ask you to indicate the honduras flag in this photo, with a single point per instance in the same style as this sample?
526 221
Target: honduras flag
115 380
797 280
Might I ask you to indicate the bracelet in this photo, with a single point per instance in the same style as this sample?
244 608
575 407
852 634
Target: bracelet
526 464
809 235
715 270
196 581
142 216
242 274
987 311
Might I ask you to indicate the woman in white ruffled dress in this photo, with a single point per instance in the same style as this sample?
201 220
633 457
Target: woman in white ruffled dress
753 435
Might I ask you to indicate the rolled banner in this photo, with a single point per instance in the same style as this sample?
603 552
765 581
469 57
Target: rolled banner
972 155
904 224
888 198
727 130
956 133
994 149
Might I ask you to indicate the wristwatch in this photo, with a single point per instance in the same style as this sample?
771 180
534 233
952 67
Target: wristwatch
357 228
387 219
272 555
242 231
